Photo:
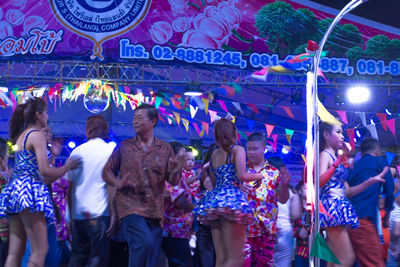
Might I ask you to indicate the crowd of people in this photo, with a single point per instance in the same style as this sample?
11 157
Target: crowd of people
145 202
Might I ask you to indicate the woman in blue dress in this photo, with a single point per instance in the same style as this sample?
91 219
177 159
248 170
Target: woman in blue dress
25 200
225 207
332 179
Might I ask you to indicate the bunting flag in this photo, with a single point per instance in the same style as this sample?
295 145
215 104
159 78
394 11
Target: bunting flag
197 100
177 116
289 134
196 128
275 143
165 102
350 133
392 126
288 148
362 118
238 137
222 104
320 249
243 135
382 119
390 156
169 120
372 129
238 88
269 128
253 108
193 111
213 115
230 91
324 114
158 101
205 102
160 117
261 74
288 111
304 158
186 124
237 106
175 103
343 116
205 126
202 132
250 123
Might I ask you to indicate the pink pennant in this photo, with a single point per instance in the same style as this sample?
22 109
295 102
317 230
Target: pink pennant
222 104
160 117
127 90
229 90
275 138
392 126
350 133
269 128
196 127
12 98
382 118
213 115
261 74
238 137
205 126
253 108
288 111
343 116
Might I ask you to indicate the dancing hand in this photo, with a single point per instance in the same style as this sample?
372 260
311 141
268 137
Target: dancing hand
378 178
73 163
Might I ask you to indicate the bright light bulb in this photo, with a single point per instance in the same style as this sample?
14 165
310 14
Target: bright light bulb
195 152
358 94
14 147
372 121
358 134
284 150
388 112
71 144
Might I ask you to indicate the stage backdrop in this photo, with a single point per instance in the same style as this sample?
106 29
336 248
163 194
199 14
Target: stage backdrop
237 33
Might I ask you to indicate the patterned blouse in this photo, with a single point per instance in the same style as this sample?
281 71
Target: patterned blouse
264 201
177 222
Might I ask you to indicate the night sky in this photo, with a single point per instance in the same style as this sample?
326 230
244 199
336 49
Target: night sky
383 11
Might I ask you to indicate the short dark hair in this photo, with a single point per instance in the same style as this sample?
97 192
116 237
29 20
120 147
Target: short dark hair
152 112
276 162
176 147
96 126
257 137
369 145
3 147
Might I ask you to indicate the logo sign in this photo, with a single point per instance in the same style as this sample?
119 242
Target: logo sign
100 20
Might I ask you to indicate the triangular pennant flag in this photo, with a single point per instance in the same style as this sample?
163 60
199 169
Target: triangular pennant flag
205 126
196 127
288 148
238 88
243 135
238 137
350 133
261 74
343 116
186 124
288 111
382 118
372 129
158 101
320 249
390 156
175 103
193 111
213 115
325 116
304 158
222 104
205 102
177 116
253 108
289 139
289 134
392 126
169 120
237 106
160 117
251 124
269 129
275 138
229 90
362 118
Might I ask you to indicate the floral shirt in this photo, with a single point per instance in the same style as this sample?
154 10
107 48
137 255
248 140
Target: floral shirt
264 201
60 190
178 222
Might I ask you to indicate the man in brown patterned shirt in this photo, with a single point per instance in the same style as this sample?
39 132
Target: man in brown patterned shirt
143 163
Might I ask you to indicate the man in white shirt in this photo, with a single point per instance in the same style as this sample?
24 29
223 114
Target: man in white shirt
88 198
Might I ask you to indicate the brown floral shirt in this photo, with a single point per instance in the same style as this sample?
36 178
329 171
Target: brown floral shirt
145 173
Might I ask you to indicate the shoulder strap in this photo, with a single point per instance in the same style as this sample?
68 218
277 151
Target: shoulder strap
333 158
228 157
211 166
26 137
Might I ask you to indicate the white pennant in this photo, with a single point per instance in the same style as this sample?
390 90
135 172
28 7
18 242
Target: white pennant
199 103
193 111
237 106
372 129
362 117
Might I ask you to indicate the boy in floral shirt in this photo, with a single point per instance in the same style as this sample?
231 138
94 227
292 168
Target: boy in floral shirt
259 247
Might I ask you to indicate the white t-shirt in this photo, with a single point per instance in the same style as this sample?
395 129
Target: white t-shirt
283 222
89 191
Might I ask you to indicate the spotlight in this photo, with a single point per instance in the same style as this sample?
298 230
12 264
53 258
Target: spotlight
14 148
339 99
196 146
372 121
388 112
71 144
193 89
194 151
296 98
358 94
113 144
358 134
284 150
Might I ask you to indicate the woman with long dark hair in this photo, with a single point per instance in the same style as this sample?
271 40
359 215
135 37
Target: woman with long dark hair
26 199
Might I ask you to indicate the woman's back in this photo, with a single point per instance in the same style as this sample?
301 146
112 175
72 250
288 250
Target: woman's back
224 169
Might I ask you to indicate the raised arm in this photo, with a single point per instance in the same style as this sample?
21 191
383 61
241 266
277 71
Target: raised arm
240 165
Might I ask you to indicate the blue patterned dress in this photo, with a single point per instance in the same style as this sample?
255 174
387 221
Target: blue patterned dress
26 189
332 196
226 200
